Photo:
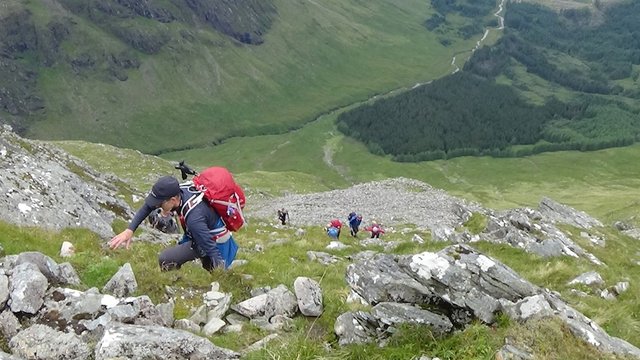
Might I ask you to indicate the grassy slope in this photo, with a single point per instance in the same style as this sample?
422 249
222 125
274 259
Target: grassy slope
281 264
604 176
317 56
602 183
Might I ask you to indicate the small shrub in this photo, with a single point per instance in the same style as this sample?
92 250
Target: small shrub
476 223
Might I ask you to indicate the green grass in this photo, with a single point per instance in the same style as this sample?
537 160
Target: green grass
476 223
315 57
503 182
599 182
282 263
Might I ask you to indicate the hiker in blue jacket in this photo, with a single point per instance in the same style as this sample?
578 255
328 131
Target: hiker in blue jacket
354 223
332 232
205 235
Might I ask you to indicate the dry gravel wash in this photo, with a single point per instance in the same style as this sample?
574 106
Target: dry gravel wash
392 202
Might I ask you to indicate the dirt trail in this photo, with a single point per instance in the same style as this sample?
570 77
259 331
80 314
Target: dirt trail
484 36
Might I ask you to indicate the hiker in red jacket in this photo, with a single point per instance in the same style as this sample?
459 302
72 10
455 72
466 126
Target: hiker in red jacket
335 223
376 230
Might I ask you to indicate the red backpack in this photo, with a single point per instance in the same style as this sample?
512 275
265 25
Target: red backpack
336 223
223 194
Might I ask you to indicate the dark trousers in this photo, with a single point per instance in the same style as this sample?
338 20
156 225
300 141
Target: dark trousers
174 257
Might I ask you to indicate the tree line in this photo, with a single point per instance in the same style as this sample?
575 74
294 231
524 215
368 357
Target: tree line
474 10
468 113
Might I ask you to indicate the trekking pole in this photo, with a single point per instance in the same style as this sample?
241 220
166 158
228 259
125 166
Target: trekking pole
185 170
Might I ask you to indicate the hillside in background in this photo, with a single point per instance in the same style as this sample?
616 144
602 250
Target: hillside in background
134 74
118 71
556 80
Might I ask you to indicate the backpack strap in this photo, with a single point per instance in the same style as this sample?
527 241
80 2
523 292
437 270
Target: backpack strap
190 204
219 234
233 205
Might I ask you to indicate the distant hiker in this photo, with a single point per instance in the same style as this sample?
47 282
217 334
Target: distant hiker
163 222
376 230
354 223
205 234
283 215
333 232
335 223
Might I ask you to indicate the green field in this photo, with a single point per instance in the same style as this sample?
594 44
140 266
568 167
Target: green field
601 183
316 56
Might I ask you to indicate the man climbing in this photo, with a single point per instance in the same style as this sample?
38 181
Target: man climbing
332 232
337 224
375 229
205 234
283 216
354 223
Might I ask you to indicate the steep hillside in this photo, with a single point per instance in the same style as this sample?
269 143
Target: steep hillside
550 282
136 73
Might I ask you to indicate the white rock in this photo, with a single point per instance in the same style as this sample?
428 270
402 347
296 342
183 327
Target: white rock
67 249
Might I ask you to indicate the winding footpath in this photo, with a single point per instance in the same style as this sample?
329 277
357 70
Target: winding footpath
484 36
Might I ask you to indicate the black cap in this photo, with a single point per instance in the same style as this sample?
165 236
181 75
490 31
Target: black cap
163 189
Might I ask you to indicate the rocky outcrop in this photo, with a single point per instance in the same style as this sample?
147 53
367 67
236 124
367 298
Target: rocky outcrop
44 186
457 285
41 318
534 232
245 21
389 202
557 212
